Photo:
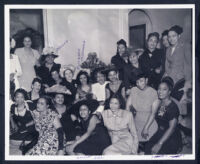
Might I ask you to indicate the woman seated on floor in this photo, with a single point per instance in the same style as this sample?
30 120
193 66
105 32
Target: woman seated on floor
94 138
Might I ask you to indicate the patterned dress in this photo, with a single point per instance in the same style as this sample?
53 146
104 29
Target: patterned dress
48 137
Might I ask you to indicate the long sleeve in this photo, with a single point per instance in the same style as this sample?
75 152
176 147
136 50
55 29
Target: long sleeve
18 66
188 62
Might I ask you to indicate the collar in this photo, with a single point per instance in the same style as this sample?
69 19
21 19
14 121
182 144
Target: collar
118 113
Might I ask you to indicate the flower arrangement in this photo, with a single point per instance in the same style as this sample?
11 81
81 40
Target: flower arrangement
92 62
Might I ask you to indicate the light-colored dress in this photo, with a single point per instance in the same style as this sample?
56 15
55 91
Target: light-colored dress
142 102
120 127
48 138
27 62
15 68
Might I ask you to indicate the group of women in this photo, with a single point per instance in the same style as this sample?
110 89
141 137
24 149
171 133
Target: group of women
128 110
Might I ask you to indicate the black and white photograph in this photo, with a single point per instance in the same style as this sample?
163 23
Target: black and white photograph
109 82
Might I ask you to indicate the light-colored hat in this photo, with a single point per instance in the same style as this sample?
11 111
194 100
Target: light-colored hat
70 67
50 51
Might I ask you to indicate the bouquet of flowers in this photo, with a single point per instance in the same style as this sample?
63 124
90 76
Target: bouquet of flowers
92 62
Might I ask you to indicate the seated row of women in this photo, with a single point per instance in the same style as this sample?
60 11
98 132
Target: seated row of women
150 117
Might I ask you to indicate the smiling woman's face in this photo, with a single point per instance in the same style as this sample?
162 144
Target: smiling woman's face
114 104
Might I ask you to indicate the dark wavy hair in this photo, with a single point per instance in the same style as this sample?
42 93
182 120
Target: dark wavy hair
22 91
169 81
79 75
177 29
155 34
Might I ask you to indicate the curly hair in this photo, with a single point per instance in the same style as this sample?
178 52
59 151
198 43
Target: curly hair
79 75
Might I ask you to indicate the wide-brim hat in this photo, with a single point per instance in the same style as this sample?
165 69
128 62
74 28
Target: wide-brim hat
70 67
92 104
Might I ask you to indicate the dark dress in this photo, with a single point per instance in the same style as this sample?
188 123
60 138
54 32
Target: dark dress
96 142
149 61
23 133
119 63
130 75
118 94
69 99
34 101
45 74
71 128
174 142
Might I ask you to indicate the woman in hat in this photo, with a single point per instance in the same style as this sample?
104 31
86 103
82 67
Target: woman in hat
115 87
44 71
121 58
69 83
28 58
139 102
121 128
68 121
94 138
151 60
167 139
178 63
131 70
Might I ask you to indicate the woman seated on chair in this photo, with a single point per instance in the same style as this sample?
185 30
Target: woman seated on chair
121 128
94 138
22 121
167 139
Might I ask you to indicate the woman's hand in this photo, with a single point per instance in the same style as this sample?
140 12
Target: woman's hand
70 148
158 70
145 133
73 117
60 152
156 148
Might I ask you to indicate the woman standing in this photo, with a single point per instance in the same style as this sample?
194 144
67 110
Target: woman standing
178 63
94 138
121 128
115 87
15 67
167 139
28 58
121 58
47 123
151 60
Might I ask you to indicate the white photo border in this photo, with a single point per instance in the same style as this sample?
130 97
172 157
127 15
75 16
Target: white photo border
70 158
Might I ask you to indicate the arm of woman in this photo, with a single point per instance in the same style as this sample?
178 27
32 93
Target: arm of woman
166 135
107 94
59 130
128 103
132 128
123 93
18 67
151 118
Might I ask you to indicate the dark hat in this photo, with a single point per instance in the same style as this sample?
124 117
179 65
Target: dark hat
177 29
122 41
90 103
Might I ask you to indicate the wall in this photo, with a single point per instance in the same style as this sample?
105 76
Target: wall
100 29
163 19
